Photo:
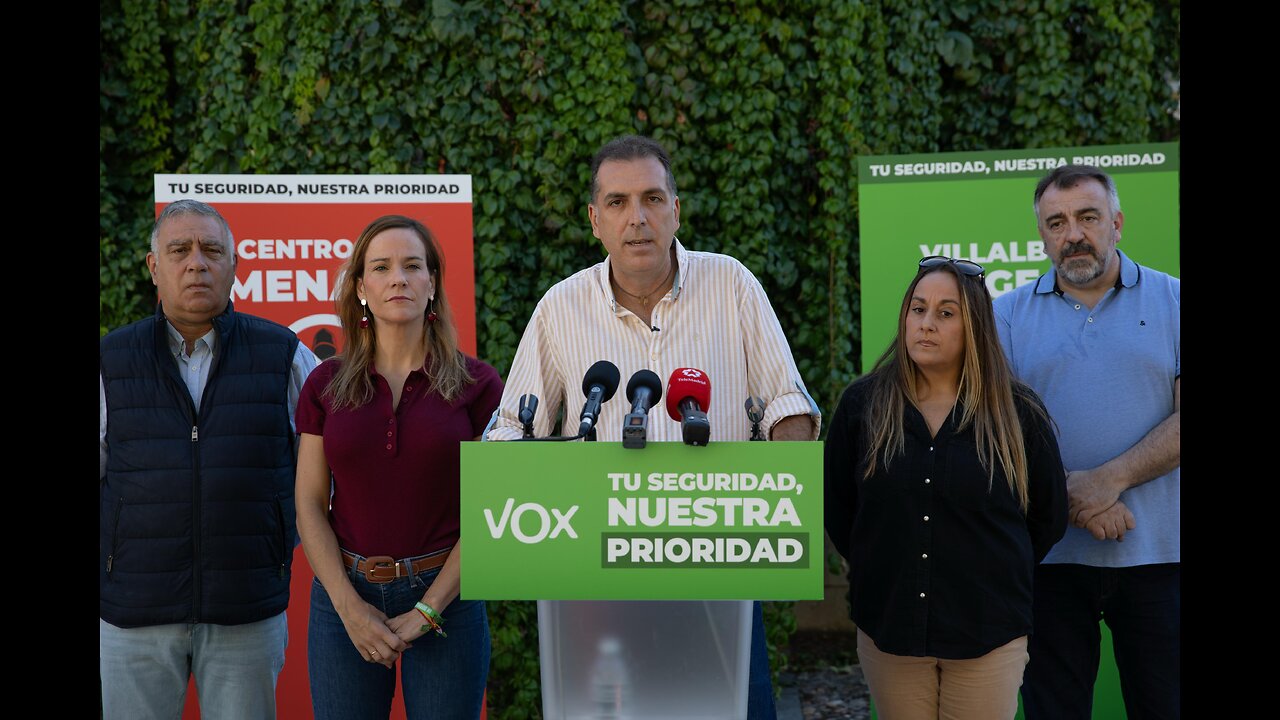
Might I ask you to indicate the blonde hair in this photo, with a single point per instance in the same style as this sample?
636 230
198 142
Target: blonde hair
986 392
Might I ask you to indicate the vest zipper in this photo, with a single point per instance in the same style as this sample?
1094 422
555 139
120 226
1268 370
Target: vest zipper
115 535
196 527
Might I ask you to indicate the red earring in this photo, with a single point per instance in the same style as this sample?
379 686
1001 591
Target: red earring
431 313
364 319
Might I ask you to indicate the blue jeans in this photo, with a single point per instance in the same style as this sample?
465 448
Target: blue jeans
1142 607
442 677
145 670
759 683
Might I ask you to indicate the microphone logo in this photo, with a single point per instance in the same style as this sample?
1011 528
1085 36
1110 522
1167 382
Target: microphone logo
688 399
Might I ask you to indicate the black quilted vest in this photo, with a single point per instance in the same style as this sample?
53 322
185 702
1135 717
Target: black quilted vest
197 519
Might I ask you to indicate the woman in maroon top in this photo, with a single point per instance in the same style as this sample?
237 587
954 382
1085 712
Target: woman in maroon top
385 418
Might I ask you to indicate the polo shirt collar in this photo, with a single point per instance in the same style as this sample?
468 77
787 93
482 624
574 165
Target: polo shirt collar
1128 277
372 370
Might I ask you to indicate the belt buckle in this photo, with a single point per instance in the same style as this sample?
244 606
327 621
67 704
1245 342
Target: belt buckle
376 563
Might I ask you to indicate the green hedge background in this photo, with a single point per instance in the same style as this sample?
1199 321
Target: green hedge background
764 106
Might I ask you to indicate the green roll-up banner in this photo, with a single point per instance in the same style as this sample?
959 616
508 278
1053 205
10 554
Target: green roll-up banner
596 521
978 206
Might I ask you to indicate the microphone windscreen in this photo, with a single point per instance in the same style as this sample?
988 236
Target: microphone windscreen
645 379
604 374
687 383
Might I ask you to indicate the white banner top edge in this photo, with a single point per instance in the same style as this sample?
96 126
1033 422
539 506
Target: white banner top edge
328 189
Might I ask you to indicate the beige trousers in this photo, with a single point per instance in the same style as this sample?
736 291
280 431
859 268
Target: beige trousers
929 688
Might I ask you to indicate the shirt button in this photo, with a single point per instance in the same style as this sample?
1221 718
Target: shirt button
1077 306
926 481
921 594
930 448
407 388
388 446
388 433
924 556
391 421
926 517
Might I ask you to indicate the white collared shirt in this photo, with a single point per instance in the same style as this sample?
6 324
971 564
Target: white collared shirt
193 368
716 318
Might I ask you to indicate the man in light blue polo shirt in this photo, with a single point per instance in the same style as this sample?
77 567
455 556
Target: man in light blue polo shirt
1098 338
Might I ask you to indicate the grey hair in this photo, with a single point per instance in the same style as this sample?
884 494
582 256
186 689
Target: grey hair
187 206
1065 177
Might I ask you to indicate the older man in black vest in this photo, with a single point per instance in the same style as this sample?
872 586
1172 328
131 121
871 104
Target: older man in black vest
197 467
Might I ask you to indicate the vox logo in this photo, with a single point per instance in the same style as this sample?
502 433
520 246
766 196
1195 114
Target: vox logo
516 519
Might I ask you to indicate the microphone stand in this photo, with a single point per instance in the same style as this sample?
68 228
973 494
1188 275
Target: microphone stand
755 413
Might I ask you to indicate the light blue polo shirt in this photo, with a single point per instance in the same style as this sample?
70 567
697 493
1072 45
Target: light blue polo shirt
1106 376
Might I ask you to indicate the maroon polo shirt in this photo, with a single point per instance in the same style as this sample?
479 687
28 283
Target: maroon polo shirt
395 471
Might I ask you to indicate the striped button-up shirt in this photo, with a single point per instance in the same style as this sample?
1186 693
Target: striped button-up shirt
716 318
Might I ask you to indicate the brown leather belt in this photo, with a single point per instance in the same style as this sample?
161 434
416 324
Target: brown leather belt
384 568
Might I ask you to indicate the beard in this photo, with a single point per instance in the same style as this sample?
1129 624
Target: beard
1080 269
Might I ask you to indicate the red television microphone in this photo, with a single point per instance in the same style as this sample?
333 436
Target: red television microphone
688 399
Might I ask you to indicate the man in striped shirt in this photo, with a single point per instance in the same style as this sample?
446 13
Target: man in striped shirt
654 304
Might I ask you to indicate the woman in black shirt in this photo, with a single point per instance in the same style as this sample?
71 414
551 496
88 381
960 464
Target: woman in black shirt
944 487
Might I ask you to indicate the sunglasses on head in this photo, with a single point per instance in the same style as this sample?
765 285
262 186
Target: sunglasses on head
965 267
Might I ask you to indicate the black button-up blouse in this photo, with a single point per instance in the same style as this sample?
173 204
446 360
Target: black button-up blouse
940 558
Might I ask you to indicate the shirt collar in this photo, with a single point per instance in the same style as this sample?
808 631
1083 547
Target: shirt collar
372 370
177 343
682 274
1128 277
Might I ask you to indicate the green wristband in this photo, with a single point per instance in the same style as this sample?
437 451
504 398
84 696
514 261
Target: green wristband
435 623
429 611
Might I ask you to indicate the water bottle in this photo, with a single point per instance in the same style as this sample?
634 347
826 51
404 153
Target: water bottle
610 682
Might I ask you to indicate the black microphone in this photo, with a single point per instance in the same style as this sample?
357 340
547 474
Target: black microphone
528 408
643 390
755 413
688 399
599 385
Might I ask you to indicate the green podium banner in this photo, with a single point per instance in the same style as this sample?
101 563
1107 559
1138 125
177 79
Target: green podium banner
596 521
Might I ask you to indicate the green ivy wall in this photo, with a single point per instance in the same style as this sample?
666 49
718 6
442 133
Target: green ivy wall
764 106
